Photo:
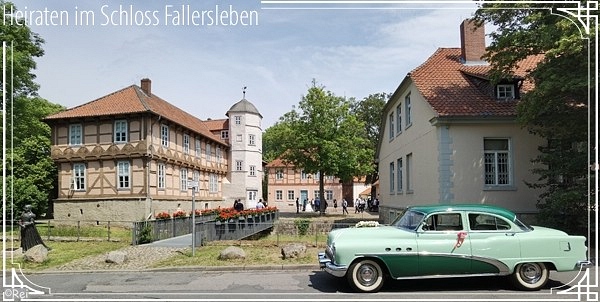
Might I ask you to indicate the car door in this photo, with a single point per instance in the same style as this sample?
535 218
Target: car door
442 245
494 243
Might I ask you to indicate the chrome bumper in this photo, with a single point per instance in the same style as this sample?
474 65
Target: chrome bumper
326 265
583 264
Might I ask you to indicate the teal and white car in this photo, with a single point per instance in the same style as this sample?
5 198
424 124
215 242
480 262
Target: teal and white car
442 241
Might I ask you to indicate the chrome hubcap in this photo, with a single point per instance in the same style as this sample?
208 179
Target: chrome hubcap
367 275
530 272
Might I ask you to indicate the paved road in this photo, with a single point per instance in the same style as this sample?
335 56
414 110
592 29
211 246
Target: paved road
277 285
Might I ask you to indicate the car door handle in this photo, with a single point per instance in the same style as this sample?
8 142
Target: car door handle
509 234
408 249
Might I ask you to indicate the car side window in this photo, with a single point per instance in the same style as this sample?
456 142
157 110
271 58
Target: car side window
443 222
481 222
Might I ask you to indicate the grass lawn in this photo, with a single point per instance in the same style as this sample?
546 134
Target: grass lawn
64 252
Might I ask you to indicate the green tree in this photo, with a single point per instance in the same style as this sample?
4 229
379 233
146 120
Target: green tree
30 170
26 46
323 136
557 108
369 110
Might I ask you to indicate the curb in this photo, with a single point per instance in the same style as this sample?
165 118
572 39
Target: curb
283 267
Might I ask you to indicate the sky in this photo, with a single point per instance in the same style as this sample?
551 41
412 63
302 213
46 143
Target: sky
274 49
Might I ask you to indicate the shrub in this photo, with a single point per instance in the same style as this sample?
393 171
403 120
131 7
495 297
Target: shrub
145 234
302 225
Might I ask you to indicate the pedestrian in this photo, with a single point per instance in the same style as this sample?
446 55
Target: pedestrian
260 204
344 206
357 206
304 204
317 204
297 206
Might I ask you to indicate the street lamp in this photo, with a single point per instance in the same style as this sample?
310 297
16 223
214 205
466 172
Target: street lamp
194 185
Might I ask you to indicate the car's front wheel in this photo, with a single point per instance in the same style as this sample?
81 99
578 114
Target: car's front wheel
366 276
530 276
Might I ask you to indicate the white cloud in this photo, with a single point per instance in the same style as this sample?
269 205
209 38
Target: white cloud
202 69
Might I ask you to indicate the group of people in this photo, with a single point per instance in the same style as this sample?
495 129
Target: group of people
238 205
315 205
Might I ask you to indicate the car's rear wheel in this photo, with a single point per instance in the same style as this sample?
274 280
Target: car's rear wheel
530 276
366 276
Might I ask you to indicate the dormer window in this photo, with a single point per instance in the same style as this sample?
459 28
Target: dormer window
505 91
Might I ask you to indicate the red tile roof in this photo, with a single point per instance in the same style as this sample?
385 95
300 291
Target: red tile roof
216 125
452 89
131 100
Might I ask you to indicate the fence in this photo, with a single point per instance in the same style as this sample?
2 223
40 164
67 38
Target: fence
77 230
207 228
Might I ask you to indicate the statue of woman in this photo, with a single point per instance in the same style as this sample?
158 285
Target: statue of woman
29 234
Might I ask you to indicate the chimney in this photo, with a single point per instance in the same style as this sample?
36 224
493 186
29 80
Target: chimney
472 42
146 85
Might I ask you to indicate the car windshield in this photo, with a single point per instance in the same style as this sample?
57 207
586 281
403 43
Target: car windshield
410 220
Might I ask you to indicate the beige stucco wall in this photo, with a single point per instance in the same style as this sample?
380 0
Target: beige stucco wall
426 137
469 171
420 140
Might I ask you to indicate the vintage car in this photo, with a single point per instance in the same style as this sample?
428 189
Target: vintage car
441 241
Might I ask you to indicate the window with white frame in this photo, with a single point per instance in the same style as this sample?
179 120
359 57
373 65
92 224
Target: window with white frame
278 195
391 128
196 179
239 165
78 182
329 177
186 144
208 152
213 183
224 134
198 148
407 111
75 134
237 119
252 195
329 194
279 174
409 172
251 139
160 173
317 175
505 91
183 179
164 135
497 161
399 174
219 155
392 173
399 119
252 170
120 131
317 193
290 195
303 175
123 175
238 138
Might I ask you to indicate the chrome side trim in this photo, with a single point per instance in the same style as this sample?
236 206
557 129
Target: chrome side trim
446 276
503 269
326 265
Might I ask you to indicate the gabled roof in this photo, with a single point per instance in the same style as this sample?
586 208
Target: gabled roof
217 125
132 100
278 162
450 87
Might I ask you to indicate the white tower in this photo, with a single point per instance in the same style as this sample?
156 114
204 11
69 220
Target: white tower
245 160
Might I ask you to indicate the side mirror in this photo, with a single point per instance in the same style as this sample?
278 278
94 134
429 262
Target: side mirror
425 226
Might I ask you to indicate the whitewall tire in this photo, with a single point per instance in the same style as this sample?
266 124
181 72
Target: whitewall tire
530 276
366 276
